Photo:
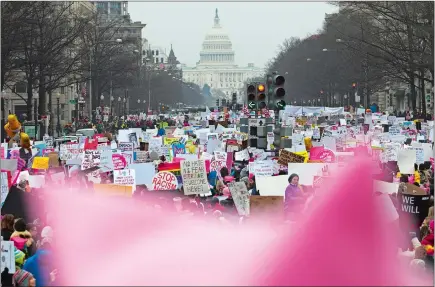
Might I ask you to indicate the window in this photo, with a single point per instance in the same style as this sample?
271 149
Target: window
152 52
157 52
161 60
20 87
62 90
157 60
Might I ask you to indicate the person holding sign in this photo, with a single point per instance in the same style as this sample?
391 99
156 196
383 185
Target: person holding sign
294 196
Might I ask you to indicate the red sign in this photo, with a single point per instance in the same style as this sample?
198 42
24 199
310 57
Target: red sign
119 162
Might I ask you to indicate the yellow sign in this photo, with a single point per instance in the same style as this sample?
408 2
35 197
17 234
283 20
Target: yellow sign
170 141
40 162
113 189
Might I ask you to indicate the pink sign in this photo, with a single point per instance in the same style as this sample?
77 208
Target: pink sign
322 154
119 162
2 152
165 180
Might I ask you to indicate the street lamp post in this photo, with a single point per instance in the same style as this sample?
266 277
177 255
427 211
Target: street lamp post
111 100
58 114
119 106
125 107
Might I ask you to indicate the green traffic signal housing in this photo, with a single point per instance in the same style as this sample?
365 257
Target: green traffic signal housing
279 91
251 92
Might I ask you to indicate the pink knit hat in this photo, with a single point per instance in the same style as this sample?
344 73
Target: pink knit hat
431 225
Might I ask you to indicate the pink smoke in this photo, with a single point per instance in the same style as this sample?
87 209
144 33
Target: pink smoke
117 241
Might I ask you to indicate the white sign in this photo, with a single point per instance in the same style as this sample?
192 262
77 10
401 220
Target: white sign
240 196
419 154
165 180
124 177
8 256
4 186
260 168
220 155
123 146
48 141
394 131
91 159
106 162
194 177
141 156
242 155
217 165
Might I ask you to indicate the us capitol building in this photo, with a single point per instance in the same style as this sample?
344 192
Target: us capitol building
216 67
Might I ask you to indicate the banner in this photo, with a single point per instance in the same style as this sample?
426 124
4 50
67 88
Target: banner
124 177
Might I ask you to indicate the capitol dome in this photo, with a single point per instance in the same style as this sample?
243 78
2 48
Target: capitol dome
217 48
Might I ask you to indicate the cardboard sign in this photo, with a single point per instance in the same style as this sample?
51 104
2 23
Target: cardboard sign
40 162
286 156
262 168
53 159
124 177
194 177
8 256
240 196
165 180
91 144
266 205
113 189
242 155
91 159
178 148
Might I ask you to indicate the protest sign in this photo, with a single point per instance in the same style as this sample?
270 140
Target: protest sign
262 168
53 159
414 207
217 165
419 154
220 155
146 172
40 162
194 177
178 148
4 187
141 156
106 162
91 159
165 180
113 189
286 156
240 196
124 177
405 160
242 155
119 161
126 146
8 256
48 140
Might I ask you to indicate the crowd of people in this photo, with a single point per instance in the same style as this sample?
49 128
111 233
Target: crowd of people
35 241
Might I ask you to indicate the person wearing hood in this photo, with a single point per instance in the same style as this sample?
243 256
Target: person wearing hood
21 237
7 226
40 265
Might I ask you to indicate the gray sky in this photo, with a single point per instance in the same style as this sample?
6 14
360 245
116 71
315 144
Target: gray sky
249 25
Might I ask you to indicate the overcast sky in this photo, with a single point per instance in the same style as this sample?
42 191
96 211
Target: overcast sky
255 29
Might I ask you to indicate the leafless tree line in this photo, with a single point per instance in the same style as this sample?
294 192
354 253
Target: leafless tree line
372 44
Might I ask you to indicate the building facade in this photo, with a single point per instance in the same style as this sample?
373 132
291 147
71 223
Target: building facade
113 9
217 68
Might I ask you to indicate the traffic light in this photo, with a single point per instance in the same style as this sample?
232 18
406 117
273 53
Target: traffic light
279 91
251 96
234 99
354 86
217 102
224 102
261 96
